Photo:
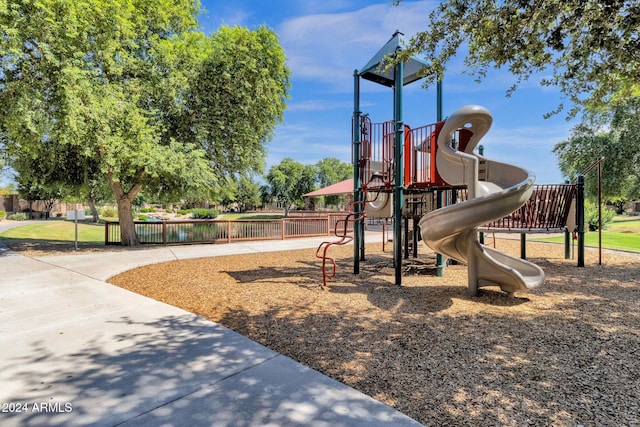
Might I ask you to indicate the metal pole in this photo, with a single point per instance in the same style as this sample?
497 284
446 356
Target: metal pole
76 220
439 99
398 158
406 237
481 152
439 257
416 229
580 219
356 172
600 211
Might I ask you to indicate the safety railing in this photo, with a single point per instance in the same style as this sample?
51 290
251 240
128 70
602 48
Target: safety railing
216 231
547 209
420 146
377 155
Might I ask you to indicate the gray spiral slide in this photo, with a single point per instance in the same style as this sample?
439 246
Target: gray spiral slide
494 191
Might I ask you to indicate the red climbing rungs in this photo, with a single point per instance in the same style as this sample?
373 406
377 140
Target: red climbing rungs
344 239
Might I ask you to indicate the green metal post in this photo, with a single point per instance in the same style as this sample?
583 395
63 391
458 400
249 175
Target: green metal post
398 181
439 99
439 257
481 152
416 233
358 240
580 219
406 237
567 244
523 245
453 200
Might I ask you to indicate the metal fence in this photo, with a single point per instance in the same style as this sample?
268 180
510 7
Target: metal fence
214 231
548 209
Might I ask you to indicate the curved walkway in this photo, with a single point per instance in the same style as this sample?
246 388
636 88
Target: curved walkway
75 350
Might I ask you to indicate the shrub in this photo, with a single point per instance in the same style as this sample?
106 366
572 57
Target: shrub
20 216
205 213
168 210
2 214
146 210
142 217
591 216
184 211
109 211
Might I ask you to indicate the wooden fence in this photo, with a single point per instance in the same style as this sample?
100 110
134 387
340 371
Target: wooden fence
214 231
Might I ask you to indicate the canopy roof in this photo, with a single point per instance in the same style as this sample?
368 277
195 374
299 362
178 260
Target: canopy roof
341 187
375 72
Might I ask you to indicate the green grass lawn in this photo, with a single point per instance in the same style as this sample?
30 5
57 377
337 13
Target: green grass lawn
56 230
623 233
236 216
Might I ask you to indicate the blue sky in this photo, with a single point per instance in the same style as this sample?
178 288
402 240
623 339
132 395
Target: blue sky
326 40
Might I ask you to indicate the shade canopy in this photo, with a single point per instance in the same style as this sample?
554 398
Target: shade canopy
342 187
375 68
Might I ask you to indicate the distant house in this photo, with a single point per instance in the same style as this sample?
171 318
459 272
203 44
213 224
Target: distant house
12 203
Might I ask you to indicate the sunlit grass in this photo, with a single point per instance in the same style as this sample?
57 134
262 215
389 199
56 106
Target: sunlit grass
237 216
57 231
622 234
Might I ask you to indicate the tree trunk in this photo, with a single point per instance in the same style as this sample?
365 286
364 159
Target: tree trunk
48 206
94 211
128 236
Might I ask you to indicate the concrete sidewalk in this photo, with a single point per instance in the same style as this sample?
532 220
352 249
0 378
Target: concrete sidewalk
75 350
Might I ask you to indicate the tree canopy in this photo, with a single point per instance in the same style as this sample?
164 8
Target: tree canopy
331 171
248 193
289 181
589 49
133 85
612 135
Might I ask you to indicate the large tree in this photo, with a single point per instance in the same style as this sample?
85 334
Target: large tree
133 85
589 49
289 181
613 135
331 171
248 195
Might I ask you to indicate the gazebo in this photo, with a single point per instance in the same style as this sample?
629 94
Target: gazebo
342 187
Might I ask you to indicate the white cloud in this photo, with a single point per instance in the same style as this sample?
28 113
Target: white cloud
328 47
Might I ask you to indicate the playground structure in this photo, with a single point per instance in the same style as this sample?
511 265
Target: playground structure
430 180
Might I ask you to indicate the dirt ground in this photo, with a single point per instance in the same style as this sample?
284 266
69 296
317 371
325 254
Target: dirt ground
566 353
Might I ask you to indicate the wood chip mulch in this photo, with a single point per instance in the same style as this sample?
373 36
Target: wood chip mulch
565 354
